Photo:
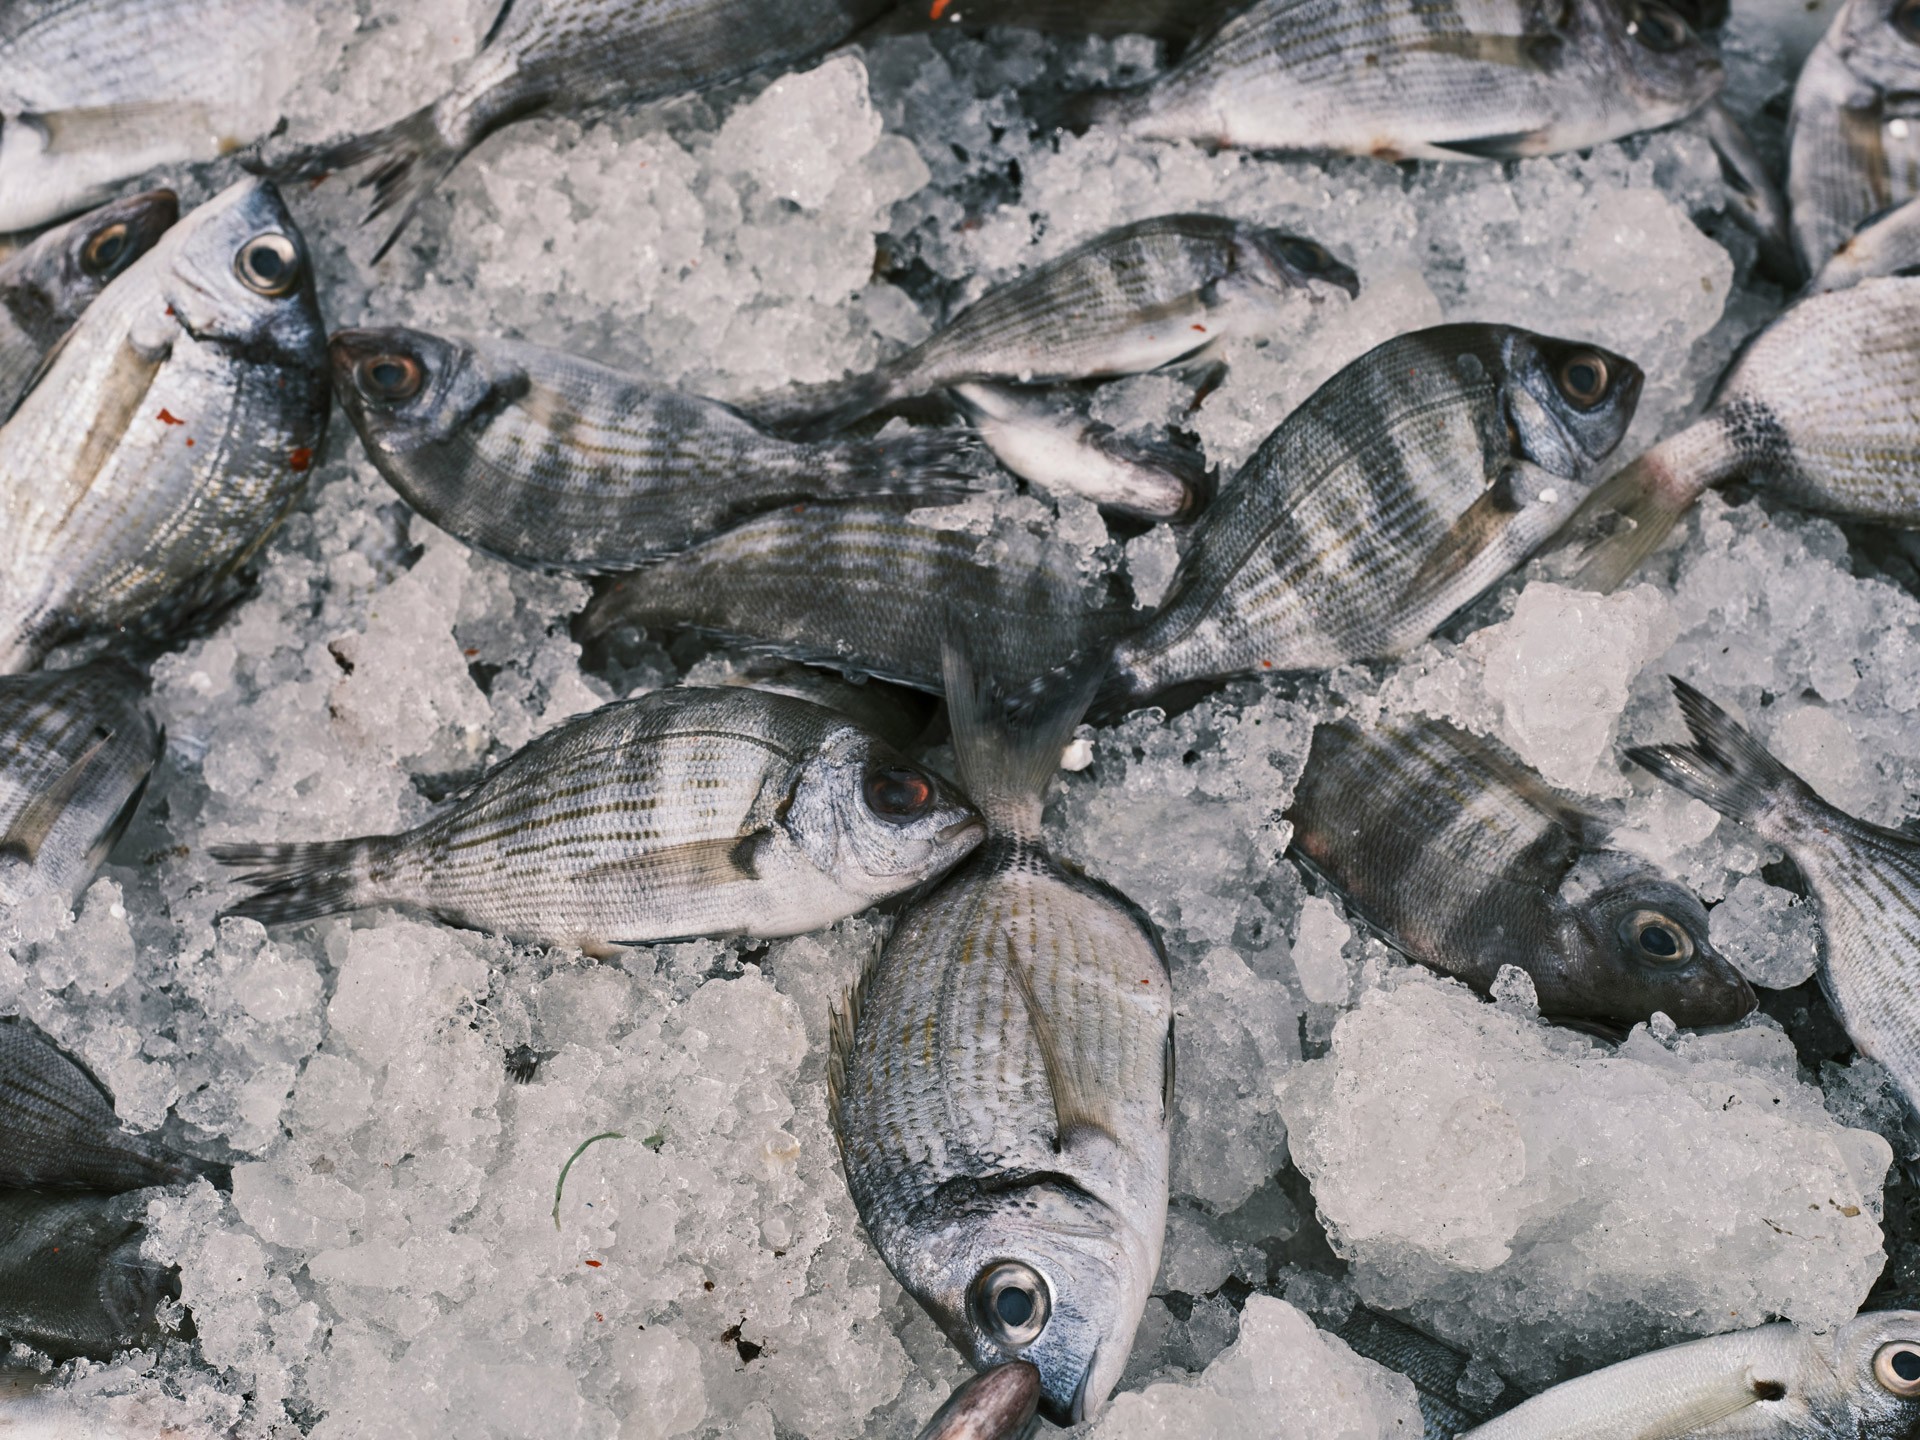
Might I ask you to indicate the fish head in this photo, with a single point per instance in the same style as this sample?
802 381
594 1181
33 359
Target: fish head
875 822
1292 262
236 272
1876 1358
1566 404
404 389
1036 1269
1642 946
1878 41
1664 70
54 279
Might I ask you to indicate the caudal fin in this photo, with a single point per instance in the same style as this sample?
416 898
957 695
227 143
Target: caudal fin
1008 747
409 158
1725 766
303 881
933 463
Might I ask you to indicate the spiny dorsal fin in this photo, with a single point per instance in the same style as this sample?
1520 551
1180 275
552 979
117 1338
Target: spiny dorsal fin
31 826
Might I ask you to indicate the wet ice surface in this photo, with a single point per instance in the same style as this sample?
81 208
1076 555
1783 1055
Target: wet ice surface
389 1262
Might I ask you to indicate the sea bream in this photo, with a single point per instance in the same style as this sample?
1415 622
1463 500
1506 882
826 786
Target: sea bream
546 459
1129 300
1398 80
1467 862
869 586
46 285
1408 483
1001 1082
685 812
72 1280
171 434
76 747
1858 1381
1864 879
581 57
1853 147
1819 410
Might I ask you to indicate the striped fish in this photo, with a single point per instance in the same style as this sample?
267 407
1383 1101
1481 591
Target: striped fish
46 285
1402 488
864 587
1001 1083
1853 148
1467 862
1819 410
726 811
76 747
1426 79
58 1130
1864 879
546 459
1434 1368
173 431
72 1280
1858 1381
1129 300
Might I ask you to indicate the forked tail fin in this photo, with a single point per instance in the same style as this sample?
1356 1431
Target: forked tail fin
937 464
1009 747
304 881
1724 766
409 157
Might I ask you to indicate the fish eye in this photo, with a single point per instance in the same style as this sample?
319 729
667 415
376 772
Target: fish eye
1307 256
1011 1303
1659 29
389 379
1897 1367
269 265
1906 19
898 793
1654 937
1583 378
105 251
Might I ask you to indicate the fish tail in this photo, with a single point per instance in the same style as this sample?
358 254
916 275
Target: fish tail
409 158
1008 746
813 412
1724 766
1649 496
934 463
305 881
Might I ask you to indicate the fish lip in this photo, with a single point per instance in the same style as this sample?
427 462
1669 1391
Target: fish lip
960 828
1080 1411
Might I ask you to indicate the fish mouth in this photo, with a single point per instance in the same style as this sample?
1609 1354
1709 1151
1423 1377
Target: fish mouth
960 829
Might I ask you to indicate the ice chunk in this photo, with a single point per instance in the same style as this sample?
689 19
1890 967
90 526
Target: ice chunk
1324 972
1769 934
803 132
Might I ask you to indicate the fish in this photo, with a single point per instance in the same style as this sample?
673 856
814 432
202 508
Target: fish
1886 244
548 460
1433 1367
72 1280
76 750
1175 20
1853 135
96 92
1858 1381
58 1130
1399 490
1467 862
1816 410
579 58
1400 80
1000 1080
46 285
176 425
1131 299
996 1404
864 586
1059 447
898 716
686 812
1864 880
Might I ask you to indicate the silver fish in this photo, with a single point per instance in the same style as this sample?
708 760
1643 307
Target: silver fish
862 586
546 459
1001 1082
1864 879
1399 80
897 715
58 1130
1468 862
579 57
96 92
1887 244
1853 147
1818 409
46 285
172 433
685 812
1129 300
71 1278
76 747
1056 445
1860 1381
997 1404
1402 488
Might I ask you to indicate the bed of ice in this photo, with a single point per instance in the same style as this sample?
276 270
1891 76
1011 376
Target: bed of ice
394 1260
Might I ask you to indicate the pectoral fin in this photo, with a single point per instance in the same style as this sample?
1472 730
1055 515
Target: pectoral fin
724 861
30 828
1539 51
1079 1108
1478 527
1515 145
